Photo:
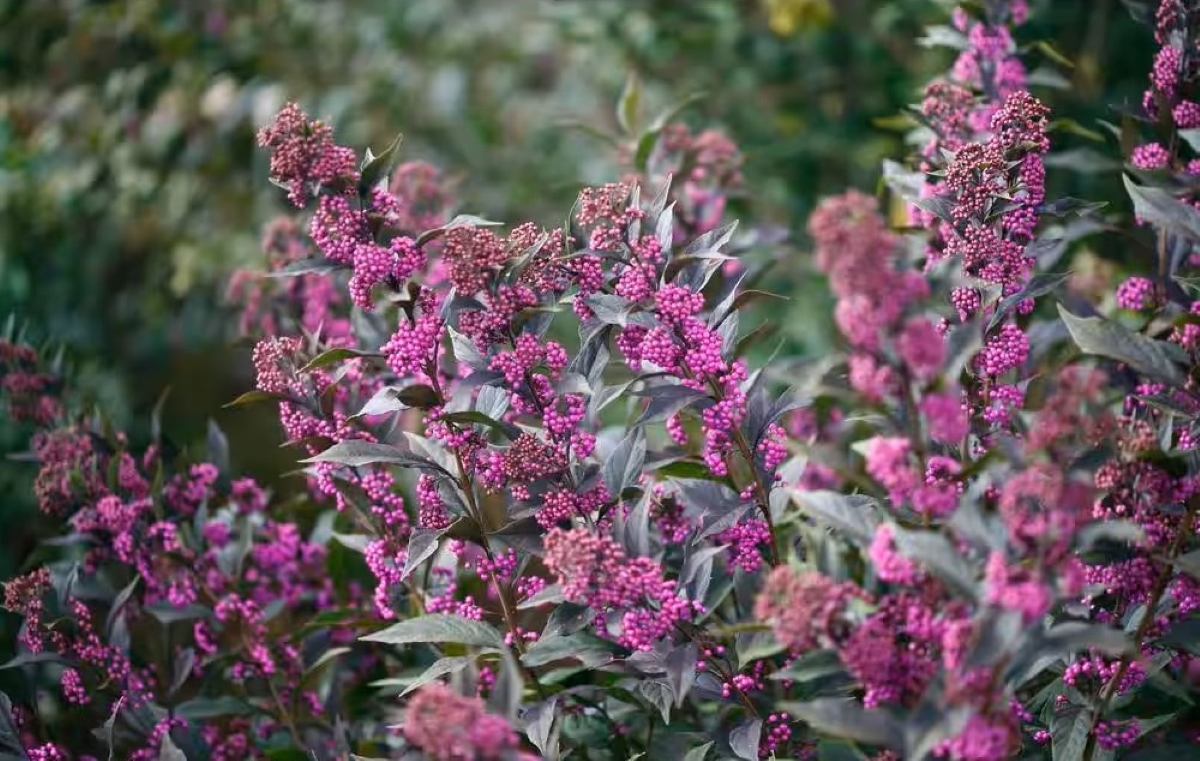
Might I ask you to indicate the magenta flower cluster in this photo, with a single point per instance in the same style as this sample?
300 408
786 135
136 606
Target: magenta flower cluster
551 497
191 547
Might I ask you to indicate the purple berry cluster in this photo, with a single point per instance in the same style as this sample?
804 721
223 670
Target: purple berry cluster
553 504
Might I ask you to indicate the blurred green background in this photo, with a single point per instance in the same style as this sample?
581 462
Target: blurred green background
130 186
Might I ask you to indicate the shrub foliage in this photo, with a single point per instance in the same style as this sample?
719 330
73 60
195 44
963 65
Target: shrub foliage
559 505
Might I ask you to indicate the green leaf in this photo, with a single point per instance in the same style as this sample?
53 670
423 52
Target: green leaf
375 167
109 731
940 35
589 129
10 737
421 396
169 751
658 208
465 351
675 109
754 337
937 206
627 106
1160 208
744 739
383 401
1044 76
1069 734
1123 532
538 720
588 649
200 709
1072 637
356 542
505 696
439 629
1146 726
848 720
1047 49
156 415
853 515
815 664
251 397
462 220
904 182
624 466
688 469
356 453
1075 128
832 750
658 693
757 645
326 657
551 593
1061 207
1039 285
217 447
1175 752
699 753
1184 635
649 138
1191 137
1096 335
167 613
181 669
119 604
439 668
233 555
313 266
333 356
422 545
610 308
25 659
1189 563
934 551
666 400
1083 160
931 725
645 146
475 417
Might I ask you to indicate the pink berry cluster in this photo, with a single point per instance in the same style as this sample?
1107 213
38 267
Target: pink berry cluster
927 454
1173 99
303 154
274 307
706 168
508 435
989 63
552 498
452 727
595 571
199 556
30 391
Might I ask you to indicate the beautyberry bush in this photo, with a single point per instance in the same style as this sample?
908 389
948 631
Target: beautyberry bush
556 505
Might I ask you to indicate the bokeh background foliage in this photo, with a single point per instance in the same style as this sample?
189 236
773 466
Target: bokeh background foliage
130 186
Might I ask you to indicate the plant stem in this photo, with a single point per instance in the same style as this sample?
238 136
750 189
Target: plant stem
1148 619
761 492
502 591
286 715
477 515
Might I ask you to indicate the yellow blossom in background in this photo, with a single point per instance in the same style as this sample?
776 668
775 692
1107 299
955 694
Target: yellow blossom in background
899 212
786 17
